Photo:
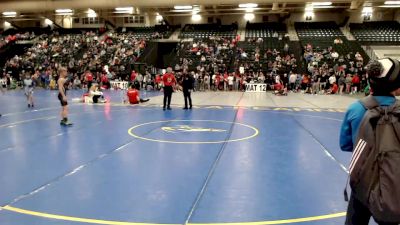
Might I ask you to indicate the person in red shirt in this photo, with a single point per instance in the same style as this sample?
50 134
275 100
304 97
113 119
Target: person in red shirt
355 83
169 82
104 81
225 81
134 95
133 76
333 90
158 81
88 79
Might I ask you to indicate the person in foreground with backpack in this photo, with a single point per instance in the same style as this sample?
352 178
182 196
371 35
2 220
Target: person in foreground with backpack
371 130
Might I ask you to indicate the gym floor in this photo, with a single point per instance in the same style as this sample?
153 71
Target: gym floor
234 159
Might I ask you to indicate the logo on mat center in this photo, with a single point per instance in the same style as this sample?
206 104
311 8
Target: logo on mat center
196 131
188 129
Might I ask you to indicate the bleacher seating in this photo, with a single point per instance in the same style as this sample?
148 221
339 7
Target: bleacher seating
382 32
201 31
158 31
262 37
265 30
318 30
322 35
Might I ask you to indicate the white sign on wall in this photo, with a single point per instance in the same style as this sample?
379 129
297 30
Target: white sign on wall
119 85
256 87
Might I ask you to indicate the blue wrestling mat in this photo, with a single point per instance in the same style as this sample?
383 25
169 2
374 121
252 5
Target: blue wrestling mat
137 165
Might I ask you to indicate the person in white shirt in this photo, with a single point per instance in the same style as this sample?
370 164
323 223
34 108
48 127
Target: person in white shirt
139 78
292 81
335 55
230 81
277 79
261 78
213 82
28 88
206 82
332 79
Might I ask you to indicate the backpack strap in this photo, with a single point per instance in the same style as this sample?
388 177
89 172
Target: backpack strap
370 102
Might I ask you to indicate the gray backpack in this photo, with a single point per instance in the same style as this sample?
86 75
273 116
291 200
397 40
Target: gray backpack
375 165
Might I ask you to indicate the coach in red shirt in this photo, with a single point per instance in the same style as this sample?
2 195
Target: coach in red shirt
169 82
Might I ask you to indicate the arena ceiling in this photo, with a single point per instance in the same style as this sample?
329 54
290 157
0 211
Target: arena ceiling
26 8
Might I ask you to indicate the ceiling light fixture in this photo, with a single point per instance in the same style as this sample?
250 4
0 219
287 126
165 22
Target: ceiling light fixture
392 2
63 10
321 3
183 7
248 5
389 6
9 13
182 10
124 9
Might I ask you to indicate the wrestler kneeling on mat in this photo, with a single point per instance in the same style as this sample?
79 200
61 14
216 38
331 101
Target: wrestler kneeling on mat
96 95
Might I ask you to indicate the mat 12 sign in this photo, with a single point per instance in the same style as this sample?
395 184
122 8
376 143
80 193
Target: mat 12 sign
119 85
256 87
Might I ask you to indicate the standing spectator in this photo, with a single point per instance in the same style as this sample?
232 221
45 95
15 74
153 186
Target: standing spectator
88 79
355 83
384 79
315 84
230 81
342 83
349 80
292 81
139 78
206 82
226 81
133 76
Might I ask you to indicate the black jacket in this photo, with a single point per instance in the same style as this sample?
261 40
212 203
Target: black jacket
187 83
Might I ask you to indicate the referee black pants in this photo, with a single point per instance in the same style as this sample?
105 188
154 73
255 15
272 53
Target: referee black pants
167 96
187 96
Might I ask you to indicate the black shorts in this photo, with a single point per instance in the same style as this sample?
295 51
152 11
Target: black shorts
63 103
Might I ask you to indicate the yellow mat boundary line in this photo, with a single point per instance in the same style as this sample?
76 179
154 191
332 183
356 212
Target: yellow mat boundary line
110 222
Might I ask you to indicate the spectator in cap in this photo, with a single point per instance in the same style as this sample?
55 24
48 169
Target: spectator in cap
384 79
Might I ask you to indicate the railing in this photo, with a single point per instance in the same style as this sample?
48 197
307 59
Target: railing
370 52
